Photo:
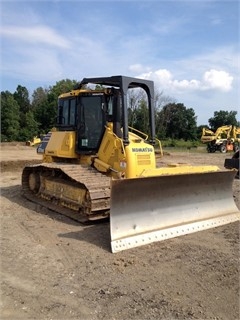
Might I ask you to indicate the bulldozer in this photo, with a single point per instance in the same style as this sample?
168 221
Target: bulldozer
226 138
95 166
34 141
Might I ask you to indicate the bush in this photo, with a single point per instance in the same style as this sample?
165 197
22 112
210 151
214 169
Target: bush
182 144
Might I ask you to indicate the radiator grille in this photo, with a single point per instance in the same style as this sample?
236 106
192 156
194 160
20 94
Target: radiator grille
143 160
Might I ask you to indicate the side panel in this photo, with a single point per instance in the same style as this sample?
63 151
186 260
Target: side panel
140 156
62 144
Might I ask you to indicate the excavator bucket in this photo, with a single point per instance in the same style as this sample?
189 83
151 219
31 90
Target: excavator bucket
150 209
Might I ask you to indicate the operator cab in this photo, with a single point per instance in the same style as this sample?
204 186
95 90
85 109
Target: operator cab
87 114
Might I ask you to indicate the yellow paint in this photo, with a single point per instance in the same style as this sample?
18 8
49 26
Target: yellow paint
62 144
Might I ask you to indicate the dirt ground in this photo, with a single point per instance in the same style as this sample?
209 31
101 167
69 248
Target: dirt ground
55 268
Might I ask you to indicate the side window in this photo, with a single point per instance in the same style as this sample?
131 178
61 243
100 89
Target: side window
110 108
72 112
67 112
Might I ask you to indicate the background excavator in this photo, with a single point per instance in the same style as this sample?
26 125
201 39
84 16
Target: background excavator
96 166
226 138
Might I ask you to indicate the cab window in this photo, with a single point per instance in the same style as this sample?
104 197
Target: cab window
67 113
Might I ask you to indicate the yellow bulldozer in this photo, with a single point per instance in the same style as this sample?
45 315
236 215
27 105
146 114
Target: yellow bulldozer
95 166
34 142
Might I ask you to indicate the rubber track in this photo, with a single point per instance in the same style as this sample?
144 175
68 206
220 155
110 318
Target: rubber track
97 184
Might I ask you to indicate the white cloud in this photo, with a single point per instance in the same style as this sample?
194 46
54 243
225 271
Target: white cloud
220 58
39 34
212 79
215 79
210 90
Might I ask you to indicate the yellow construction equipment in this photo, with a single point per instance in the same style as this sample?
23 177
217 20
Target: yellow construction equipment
35 141
96 166
236 137
226 138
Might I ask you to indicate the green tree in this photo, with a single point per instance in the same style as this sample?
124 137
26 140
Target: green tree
60 87
44 113
31 127
97 87
190 126
21 95
138 111
222 118
161 100
39 97
10 117
141 122
177 122
135 96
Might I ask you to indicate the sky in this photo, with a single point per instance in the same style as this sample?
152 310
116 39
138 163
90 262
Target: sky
190 49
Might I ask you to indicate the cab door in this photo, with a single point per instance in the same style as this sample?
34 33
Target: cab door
91 123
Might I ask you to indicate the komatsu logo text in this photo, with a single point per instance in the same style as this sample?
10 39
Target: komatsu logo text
142 149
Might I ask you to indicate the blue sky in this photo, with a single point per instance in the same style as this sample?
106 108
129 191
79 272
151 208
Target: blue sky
190 49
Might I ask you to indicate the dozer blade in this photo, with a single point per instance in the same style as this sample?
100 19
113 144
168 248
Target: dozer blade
146 210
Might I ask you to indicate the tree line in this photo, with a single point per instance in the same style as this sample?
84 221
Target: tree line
23 117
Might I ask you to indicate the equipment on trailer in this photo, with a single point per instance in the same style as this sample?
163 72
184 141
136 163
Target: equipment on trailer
226 138
96 166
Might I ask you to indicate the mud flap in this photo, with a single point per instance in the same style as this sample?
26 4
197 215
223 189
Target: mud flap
146 210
